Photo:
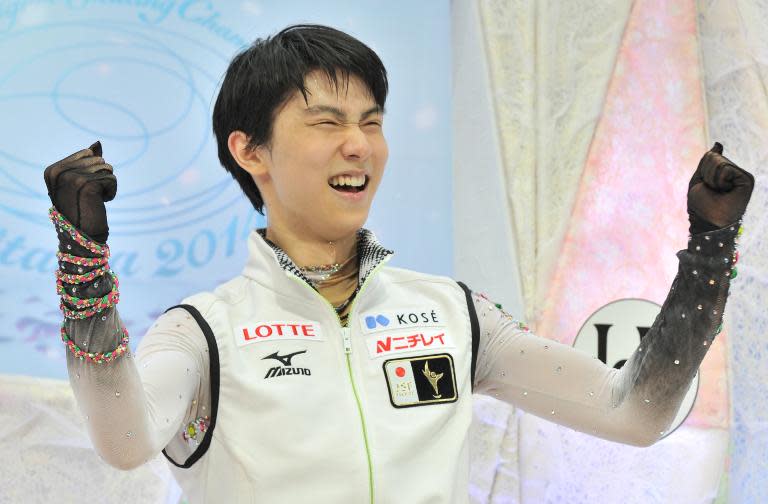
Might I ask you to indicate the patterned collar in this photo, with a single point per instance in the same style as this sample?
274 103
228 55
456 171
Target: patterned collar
369 252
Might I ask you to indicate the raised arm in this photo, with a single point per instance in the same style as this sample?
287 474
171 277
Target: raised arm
636 403
131 412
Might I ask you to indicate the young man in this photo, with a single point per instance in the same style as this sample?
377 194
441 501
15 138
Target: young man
321 374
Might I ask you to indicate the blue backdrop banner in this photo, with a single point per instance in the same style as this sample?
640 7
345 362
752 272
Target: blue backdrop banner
142 76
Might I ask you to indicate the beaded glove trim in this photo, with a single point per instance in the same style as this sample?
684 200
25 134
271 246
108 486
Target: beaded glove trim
87 307
64 226
76 308
96 357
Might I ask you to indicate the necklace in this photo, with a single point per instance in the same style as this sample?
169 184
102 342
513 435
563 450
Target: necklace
323 273
320 273
334 282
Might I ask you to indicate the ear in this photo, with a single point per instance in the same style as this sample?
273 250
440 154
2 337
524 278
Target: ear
254 161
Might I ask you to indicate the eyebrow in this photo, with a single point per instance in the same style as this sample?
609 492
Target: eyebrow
339 114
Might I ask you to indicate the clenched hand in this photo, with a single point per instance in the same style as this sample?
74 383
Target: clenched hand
718 192
78 186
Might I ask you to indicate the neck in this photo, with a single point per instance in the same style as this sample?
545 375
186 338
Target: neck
307 249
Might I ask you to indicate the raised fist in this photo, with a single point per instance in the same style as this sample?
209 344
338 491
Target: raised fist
718 192
78 186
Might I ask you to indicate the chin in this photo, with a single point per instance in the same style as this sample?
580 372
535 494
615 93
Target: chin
343 228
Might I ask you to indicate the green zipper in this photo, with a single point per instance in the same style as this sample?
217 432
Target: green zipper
345 332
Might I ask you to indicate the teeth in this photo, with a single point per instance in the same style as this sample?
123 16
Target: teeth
341 180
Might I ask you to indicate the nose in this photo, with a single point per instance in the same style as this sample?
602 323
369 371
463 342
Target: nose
356 146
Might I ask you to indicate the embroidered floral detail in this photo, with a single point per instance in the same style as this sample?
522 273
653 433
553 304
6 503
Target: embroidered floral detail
195 430
520 325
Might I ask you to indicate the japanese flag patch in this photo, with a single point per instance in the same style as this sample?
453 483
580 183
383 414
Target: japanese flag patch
422 380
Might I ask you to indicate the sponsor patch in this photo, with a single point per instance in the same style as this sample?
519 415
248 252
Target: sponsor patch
286 369
278 331
419 381
372 322
380 345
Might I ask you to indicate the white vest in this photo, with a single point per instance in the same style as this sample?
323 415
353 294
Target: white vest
310 412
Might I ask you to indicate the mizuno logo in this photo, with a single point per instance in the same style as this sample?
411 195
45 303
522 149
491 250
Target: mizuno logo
285 360
286 369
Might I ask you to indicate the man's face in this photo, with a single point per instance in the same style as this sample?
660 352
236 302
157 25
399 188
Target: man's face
326 159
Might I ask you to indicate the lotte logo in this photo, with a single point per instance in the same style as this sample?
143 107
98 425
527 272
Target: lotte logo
276 331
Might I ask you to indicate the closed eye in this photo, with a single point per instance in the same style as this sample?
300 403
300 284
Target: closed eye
373 124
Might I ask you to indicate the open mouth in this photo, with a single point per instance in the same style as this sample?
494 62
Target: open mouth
349 184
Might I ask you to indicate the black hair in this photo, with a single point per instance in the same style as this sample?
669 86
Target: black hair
262 77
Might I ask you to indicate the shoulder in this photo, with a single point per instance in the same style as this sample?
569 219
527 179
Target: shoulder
224 295
396 274
228 292
413 278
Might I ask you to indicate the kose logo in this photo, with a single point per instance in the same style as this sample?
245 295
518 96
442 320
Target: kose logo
399 319
371 321
411 318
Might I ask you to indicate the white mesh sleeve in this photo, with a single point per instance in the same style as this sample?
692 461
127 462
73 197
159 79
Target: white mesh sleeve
134 407
634 404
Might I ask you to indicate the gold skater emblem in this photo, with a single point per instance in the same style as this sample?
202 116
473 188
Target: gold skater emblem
433 379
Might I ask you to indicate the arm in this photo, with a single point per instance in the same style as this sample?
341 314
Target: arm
634 404
637 403
131 412
134 407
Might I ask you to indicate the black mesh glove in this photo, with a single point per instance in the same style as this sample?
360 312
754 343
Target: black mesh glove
78 186
718 192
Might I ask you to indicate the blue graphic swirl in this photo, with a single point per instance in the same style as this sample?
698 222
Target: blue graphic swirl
159 163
